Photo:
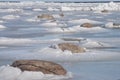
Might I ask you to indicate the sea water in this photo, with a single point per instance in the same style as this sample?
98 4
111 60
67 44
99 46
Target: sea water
24 36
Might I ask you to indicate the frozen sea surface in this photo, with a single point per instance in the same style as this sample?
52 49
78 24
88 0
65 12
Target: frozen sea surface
24 36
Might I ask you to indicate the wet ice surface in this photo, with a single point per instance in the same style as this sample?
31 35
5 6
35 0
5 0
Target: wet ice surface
24 36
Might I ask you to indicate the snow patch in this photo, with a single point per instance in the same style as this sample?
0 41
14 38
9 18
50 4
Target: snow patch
29 75
9 73
12 73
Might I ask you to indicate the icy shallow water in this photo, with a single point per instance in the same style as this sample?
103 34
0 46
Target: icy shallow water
95 70
89 70
23 36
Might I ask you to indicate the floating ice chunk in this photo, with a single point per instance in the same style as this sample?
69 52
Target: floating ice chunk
81 21
27 13
49 24
14 41
33 20
15 10
109 24
62 24
90 30
112 25
90 43
102 12
49 49
58 55
72 39
62 49
56 16
30 75
53 9
61 30
107 6
8 17
51 52
12 73
76 29
75 8
1 21
9 73
37 9
11 10
65 8
2 27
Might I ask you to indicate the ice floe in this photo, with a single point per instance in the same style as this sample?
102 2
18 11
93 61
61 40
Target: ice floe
93 44
2 27
65 8
11 10
33 20
8 17
37 9
12 73
81 21
58 55
14 41
107 6
64 27
56 16
53 9
84 7
61 30
77 29
62 6
53 52
25 41
112 25
88 43
1 21
104 12
49 24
